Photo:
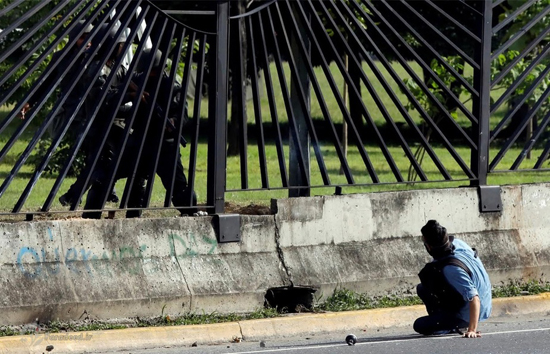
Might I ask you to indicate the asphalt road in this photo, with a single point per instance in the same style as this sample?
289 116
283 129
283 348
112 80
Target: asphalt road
504 335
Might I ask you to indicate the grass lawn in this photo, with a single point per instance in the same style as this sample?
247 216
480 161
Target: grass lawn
357 165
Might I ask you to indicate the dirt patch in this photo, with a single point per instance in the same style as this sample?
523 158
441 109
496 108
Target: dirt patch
251 209
230 208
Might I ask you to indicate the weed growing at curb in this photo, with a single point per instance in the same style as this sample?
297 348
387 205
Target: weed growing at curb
340 300
58 326
8 331
517 288
195 319
348 300
88 325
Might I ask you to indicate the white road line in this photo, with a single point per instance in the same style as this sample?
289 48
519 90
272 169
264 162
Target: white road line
383 341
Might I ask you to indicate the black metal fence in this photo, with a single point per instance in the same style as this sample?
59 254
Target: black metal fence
300 95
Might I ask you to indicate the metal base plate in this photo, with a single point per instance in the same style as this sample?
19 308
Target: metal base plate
489 199
228 227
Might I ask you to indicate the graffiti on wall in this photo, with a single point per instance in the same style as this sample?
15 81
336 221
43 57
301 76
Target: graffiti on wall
36 262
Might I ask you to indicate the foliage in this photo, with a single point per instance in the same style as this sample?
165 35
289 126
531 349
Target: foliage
348 300
205 318
517 288
523 19
8 331
14 36
437 91
59 157
357 14
533 76
499 64
57 326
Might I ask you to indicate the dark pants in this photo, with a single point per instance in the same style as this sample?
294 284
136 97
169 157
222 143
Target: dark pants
100 177
89 142
181 195
438 320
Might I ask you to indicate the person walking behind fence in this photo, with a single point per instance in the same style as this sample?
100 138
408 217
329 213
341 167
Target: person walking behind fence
98 125
455 286
182 196
168 152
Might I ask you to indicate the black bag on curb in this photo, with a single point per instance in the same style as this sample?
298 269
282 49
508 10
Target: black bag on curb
434 281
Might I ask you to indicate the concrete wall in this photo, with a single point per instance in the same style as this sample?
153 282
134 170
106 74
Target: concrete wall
371 243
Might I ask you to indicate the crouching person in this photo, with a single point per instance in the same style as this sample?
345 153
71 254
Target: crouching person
455 286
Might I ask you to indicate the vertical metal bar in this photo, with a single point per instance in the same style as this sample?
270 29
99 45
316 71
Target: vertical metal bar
300 80
285 91
238 103
482 105
303 98
155 98
195 130
152 86
305 53
336 92
178 49
217 111
272 103
257 107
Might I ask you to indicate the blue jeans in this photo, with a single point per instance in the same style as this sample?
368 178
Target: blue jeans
438 321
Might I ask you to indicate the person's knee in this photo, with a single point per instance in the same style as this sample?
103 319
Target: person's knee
417 327
420 326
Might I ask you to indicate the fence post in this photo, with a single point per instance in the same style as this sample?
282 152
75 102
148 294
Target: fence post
217 111
489 196
295 173
482 106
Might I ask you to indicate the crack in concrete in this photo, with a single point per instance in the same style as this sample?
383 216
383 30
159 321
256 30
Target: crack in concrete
182 273
63 256
241 331
280 253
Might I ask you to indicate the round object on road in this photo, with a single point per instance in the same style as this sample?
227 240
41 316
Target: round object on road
351 339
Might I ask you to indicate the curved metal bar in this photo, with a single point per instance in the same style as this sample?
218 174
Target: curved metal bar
252 12
164 13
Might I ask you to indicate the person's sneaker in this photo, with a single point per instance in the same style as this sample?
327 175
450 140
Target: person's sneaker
442 332
65 200
113 198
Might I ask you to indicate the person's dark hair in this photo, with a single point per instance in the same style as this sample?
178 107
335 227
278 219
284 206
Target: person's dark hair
434 234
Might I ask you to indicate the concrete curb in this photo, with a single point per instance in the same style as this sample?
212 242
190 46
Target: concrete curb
252 330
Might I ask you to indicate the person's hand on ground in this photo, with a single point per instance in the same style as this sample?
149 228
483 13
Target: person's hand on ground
472 334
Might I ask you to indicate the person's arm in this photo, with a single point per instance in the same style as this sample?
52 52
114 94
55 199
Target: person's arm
475 307
462 283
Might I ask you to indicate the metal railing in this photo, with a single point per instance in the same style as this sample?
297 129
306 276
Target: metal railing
377 92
